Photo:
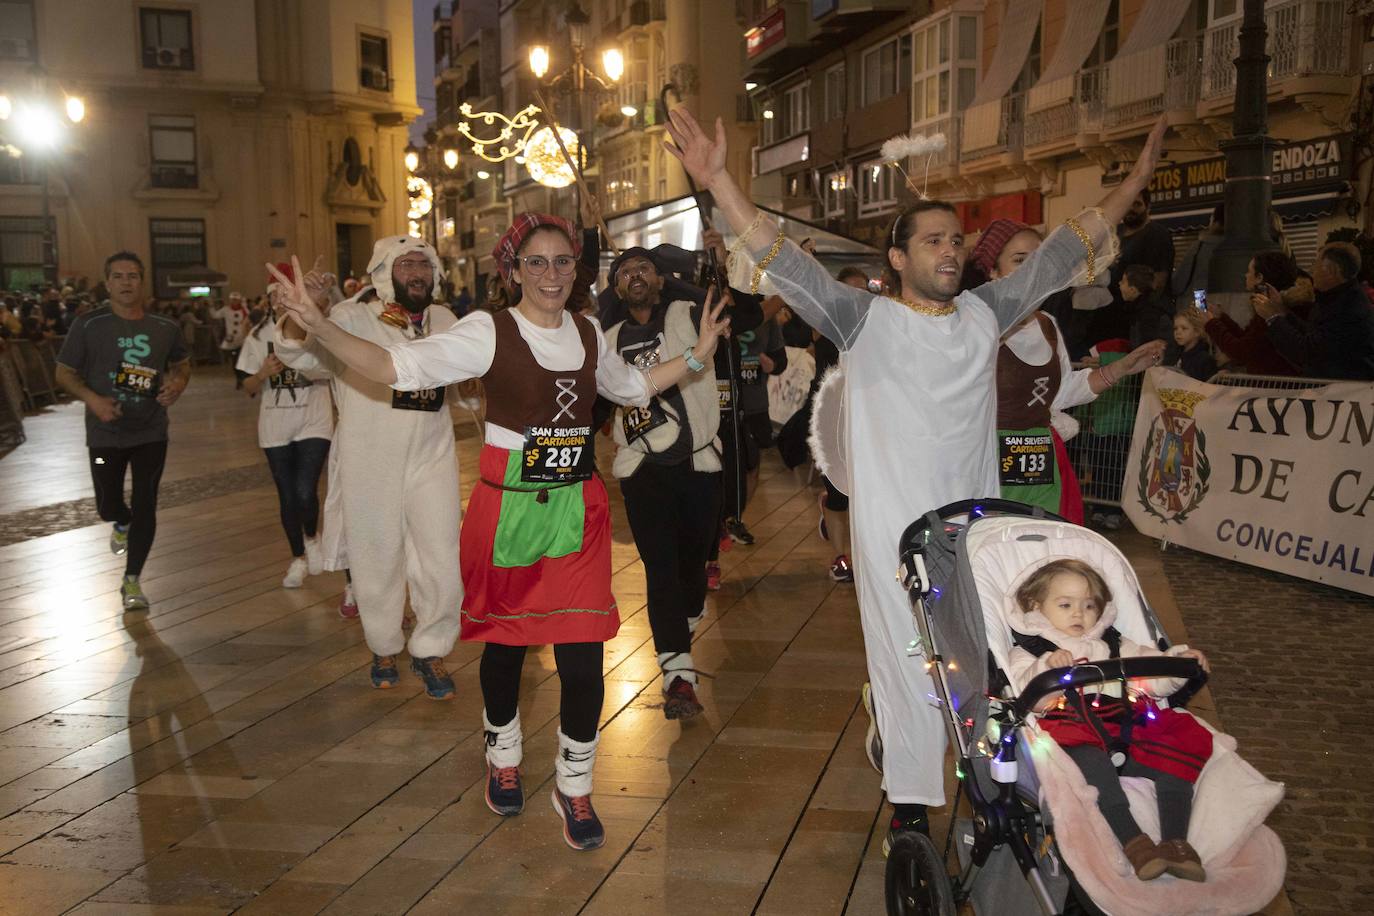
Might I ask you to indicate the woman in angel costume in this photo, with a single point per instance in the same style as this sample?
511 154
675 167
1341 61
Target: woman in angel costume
920 412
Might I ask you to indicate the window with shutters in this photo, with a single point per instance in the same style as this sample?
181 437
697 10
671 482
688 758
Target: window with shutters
176 245
167 41
172 139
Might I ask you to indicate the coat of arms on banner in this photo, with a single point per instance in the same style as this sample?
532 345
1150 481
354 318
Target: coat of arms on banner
1174 469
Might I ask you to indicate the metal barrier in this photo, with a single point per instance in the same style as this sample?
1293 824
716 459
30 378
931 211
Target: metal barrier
11 398
1099 450
40 381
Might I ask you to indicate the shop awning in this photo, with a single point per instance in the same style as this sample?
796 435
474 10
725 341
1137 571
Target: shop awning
197 276
1312 206
1082 26
1015 34
1309 206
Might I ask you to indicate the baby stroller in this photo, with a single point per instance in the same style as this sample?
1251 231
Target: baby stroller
957 564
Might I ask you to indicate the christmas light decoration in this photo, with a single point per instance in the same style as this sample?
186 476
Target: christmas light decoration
512 136
421 197
546 162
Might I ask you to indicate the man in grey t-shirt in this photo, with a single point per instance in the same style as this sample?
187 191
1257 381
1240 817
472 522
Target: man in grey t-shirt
128 366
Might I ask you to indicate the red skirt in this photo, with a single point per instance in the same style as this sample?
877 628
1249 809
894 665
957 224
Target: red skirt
1162 739
555 600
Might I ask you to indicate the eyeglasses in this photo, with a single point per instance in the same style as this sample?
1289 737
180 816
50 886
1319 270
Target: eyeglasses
414 265
536 265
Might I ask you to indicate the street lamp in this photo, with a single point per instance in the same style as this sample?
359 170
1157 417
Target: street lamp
577 80
450 159
34 125
412 158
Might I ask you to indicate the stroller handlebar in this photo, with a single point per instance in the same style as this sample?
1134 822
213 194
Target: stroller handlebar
912 537
1057 679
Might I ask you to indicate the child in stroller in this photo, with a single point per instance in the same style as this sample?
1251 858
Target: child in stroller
1063 618
1036 842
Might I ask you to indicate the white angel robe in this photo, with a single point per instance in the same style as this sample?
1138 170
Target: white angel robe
921 416
392 511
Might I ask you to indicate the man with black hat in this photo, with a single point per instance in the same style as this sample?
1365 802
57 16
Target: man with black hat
668 461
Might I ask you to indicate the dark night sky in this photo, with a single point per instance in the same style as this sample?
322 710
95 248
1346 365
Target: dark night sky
423 11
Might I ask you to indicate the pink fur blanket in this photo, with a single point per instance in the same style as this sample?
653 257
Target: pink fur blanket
1244 859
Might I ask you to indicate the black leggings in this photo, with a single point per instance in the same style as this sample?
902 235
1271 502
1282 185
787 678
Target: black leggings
1174 795
579 671
108 466
296 469
673 515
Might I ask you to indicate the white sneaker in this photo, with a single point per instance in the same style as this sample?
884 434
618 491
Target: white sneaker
295 574
695 621
314 558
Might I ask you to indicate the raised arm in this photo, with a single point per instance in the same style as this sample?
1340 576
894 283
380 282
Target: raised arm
368 358
836 309
1063 259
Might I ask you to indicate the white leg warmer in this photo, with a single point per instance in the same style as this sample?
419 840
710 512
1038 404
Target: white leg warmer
505 743
574 765
695 621
675 665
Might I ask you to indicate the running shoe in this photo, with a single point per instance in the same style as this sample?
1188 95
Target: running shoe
873 742
295 574
132 594
713 576
680 701
581 827
384 673
738 533
119 540
348 605
314 556
726 545
505 795
438 682
841 570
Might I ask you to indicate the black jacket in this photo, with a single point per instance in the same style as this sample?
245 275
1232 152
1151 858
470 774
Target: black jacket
1337 340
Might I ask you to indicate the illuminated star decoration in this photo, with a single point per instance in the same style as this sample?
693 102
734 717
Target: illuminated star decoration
516 129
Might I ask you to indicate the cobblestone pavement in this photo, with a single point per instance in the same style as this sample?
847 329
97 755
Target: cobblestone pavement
77 513
1291 663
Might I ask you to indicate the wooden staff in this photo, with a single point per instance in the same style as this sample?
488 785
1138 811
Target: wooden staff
577 172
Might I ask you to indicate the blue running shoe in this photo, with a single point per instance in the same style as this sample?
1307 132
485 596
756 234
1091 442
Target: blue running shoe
581 827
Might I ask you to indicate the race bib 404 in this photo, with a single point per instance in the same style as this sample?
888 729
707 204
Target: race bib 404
1025 458
557 454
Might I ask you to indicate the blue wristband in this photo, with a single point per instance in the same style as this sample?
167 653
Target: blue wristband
693 363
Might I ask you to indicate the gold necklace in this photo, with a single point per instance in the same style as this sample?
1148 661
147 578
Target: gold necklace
922 308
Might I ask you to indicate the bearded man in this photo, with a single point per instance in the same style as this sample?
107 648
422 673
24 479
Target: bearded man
391 515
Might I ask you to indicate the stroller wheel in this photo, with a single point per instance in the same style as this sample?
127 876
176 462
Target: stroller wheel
917 883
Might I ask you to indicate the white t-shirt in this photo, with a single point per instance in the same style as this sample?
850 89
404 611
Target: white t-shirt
466 350
286 415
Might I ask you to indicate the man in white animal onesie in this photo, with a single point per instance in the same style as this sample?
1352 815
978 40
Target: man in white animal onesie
392 512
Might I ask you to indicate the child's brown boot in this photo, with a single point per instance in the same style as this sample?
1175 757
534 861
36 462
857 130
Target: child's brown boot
1183 860
1145 857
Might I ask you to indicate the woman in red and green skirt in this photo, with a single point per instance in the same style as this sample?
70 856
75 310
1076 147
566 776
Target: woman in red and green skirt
536 540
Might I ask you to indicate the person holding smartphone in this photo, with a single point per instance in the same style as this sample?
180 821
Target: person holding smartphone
295 427
1191 351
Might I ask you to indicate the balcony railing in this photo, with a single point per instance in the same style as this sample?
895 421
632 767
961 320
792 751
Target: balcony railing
1081 114
949 126
1153 80
1305 38
978 135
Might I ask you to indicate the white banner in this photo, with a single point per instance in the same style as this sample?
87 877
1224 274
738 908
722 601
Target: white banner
1282 479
